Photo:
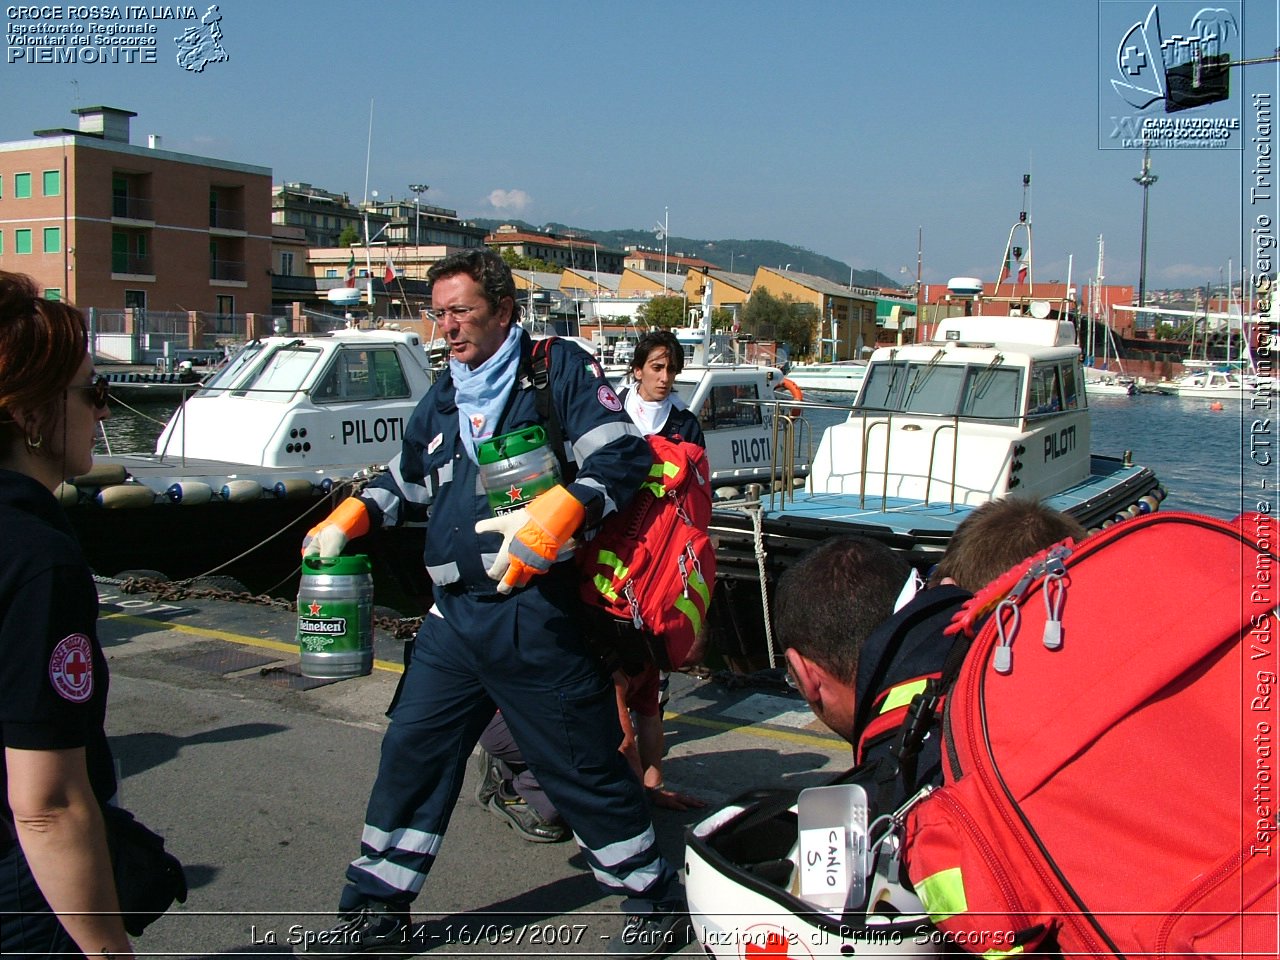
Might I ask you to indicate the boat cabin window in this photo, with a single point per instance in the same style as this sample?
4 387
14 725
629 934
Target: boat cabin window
721 407
280 375
942 389
1053 389
235 368
361 375
1070 395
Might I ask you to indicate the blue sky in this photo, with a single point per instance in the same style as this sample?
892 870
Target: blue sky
839 126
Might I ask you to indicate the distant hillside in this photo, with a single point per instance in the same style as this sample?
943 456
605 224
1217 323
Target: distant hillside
742 256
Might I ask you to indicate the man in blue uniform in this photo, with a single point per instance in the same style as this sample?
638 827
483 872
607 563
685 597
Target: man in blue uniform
503 631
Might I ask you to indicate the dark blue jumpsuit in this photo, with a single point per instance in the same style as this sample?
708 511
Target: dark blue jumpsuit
522 653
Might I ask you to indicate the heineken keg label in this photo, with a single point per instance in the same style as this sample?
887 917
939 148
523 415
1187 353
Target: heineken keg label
516 495
322 628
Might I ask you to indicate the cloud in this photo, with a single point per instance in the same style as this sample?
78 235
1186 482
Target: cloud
514 201
1187 274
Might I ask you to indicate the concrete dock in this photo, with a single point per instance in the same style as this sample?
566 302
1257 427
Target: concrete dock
258 778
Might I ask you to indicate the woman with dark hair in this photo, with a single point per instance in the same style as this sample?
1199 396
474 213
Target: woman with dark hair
57 894
650 399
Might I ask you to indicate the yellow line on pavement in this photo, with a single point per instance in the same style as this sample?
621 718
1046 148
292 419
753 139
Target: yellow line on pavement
809 739
230 637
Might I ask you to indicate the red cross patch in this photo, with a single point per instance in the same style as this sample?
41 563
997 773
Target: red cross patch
608 399
71 668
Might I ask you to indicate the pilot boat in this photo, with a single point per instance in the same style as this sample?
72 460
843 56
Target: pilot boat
253 458
992 406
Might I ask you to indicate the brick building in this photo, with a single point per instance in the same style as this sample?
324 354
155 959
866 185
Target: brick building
104 223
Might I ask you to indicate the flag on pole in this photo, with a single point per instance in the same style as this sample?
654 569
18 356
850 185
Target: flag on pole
1006 269
390 274
1023 268
351 270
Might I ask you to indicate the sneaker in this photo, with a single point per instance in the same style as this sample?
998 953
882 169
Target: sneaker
654 934
525 820
375 927
490 777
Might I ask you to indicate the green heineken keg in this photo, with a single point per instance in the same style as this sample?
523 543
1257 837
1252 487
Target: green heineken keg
515 467
335 617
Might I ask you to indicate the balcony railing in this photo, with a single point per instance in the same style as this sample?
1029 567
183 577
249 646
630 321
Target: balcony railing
226 270
124 263
131 208
221 219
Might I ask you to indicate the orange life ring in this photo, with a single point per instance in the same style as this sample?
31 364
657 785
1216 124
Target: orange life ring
796 393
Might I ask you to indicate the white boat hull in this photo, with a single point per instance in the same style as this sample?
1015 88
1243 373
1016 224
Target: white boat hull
1109 388
843 377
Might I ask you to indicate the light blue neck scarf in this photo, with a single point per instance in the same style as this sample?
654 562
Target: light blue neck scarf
482 393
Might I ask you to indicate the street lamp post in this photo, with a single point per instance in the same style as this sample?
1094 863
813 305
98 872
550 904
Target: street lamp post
418 190
1145 180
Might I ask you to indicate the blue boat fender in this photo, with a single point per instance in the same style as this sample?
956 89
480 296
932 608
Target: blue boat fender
67 494
125 496
101 475
294 489
189 492
241 491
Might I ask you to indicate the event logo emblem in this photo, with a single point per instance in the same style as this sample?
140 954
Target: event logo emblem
1149 67
200 46
1153 84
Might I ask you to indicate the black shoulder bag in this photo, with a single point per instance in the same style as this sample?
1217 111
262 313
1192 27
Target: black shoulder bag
148 878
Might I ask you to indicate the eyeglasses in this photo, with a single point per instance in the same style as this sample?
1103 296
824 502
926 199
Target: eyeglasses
459 313
100 390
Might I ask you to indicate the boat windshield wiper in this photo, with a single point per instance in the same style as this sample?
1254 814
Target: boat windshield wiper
894 367
985 377
922 376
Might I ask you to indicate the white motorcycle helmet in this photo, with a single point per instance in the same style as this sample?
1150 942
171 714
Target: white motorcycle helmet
740 867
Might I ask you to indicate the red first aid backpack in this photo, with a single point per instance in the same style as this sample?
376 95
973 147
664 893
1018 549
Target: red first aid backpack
651 566
1110 772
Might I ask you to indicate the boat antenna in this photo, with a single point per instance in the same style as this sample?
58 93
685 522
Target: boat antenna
1015 254
368 257
368 152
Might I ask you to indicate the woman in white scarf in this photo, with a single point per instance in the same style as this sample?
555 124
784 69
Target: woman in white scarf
651 400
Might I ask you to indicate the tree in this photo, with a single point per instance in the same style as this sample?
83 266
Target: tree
663 312
781 318
721 318
800 327
518 261
349 236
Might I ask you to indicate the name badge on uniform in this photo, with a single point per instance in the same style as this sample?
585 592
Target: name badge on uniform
435 443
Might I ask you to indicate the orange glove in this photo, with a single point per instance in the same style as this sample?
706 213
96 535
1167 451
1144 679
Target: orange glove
532 536
350 519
